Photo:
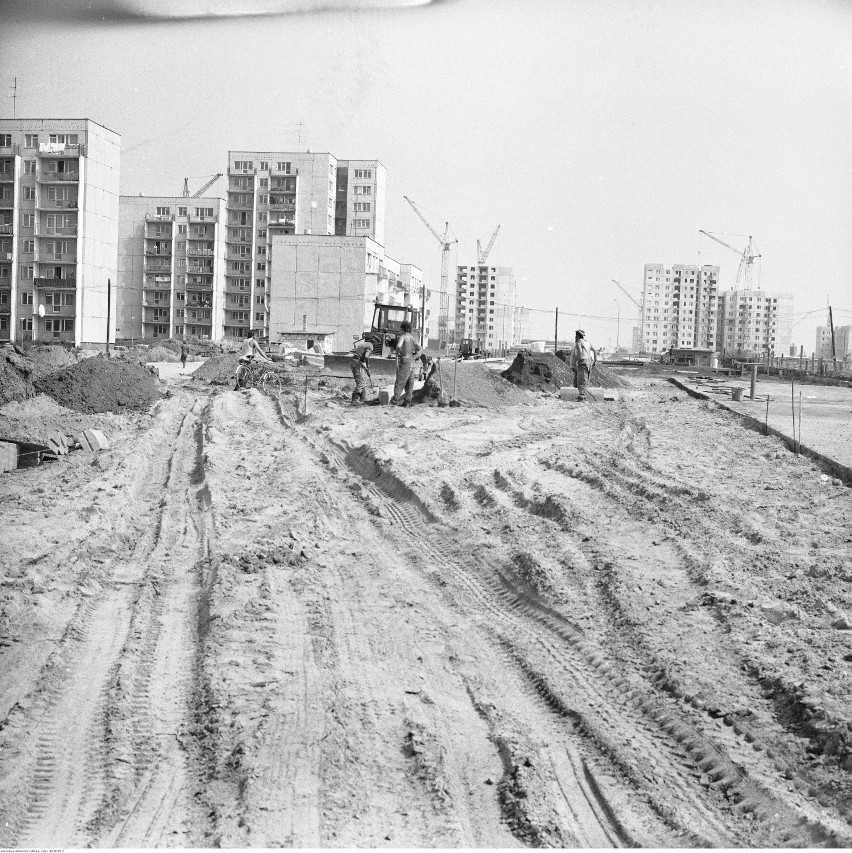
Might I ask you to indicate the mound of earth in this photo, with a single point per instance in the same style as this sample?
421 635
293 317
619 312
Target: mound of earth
539 370
159 353
473 384
36 419
48 359
15 383
218 370
101 385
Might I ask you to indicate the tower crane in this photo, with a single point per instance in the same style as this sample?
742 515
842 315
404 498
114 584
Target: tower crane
199 193
444 310
483 256
632 299
747 258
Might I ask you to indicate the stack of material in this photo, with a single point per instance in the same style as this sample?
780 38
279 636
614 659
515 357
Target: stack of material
547 372
8 456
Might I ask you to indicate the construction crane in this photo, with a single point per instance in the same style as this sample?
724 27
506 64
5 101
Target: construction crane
203 190
444 312
627 294
747 258
483 256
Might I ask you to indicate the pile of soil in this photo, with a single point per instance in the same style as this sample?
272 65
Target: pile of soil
218 370
548 372
159 353
102 385
36 419
15 384
46 360
475 385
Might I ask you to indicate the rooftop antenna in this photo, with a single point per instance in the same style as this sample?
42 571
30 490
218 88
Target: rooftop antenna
299 125
14 97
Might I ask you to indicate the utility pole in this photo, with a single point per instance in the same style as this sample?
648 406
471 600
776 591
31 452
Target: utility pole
15 98
556 332
617 323
831 324
109 299
422 314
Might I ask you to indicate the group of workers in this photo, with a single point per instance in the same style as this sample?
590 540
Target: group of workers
408 351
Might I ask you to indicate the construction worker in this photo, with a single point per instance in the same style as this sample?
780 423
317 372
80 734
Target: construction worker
360 364
249 352
407 352
583 359
184 352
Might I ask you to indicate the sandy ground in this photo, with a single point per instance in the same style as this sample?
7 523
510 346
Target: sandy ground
624 624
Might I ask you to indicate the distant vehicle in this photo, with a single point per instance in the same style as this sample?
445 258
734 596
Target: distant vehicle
470 348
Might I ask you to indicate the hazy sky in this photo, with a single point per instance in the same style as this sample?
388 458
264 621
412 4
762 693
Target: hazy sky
600 136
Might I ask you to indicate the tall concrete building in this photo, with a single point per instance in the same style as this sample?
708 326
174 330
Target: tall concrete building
288 193
842 342
325 286
679 307
754 322
59 182
485 306
171 271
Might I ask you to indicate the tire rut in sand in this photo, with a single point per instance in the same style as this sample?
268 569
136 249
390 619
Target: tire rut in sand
66 785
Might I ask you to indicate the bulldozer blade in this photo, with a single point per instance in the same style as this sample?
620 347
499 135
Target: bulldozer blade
382 369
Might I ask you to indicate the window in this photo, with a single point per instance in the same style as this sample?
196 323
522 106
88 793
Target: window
261 250
27 297
57 193
204 211
29 246
181 211
362 206
259 282
26 275
363 173
264 166
264 182
29 193
362 223
262 199
261 217
182 228
241 266
26 324
244 251
160 330
29 167
64 138
164 211
244 165
5 140
261 266
261 232
259 316
284 167
30 140
259 299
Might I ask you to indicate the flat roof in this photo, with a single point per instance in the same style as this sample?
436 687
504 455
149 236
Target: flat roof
38 118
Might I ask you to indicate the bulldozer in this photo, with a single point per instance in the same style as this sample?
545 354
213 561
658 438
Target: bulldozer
382 334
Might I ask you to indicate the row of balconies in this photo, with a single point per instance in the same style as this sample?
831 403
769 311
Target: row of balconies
41 281
45 176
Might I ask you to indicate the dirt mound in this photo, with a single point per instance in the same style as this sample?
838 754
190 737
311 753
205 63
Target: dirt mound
218 370
475 385
549 372
46 360
101 385
15 383
39 417
539 370
159 353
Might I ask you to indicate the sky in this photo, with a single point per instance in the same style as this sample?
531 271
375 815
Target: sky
599 136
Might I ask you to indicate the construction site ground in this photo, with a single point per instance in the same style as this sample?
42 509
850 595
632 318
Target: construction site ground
542 624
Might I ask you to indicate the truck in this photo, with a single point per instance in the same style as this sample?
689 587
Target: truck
469 348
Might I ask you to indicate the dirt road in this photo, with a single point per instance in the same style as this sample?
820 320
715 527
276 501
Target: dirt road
546 625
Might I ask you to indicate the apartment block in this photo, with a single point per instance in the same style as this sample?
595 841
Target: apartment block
679 307
754 322
287 193
327 285
842 342
485 306
171 270
59 184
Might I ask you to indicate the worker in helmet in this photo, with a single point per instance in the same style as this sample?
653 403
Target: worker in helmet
360 363
407 352
583 359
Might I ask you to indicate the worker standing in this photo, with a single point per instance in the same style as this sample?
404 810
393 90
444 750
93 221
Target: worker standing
407 352
583 359
360 364
184 352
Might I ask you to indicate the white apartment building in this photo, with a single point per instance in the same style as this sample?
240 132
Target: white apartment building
754 322
485 306
326 286
59 184
171 271
679 307
287 193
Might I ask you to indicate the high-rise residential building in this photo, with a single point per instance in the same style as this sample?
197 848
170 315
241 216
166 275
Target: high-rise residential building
288 193
679 307
325 286
754 322
842 342
485 306
171 271
59 184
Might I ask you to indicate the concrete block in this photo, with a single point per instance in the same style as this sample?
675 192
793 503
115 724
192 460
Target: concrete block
8 456
610 396
567 393
57 445
385 395
97 440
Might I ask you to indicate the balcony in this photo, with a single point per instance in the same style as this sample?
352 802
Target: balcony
56 257
159 217
57 231
56 204
46 177
198 287
192 268
55 282
61 149
61 310
7 176
155 303
6 228
233 255
200 253
194 219
282 222
241 205
153 253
